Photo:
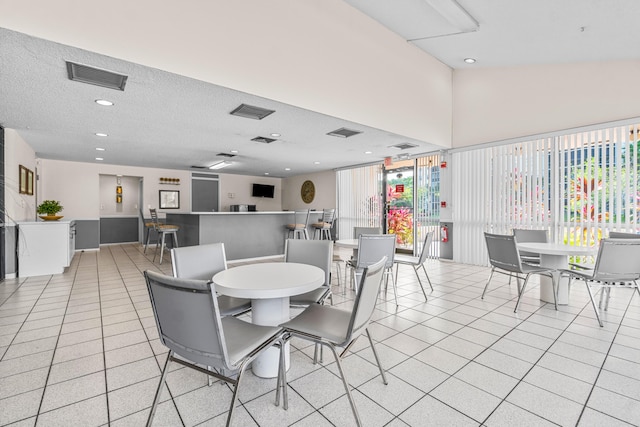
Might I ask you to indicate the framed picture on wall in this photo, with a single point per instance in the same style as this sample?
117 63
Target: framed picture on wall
29 182
169 199
22 189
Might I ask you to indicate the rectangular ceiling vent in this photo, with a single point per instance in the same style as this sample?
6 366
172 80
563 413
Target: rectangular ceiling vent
344 132
263 139
251 112
198 167
95 76
229 155
404 146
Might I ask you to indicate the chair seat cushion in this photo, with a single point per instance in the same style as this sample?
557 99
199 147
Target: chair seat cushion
295 226
321 225
243 337
312 297
322 321
230 306
167 227
405 259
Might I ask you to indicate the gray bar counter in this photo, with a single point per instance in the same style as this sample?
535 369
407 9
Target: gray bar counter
244 234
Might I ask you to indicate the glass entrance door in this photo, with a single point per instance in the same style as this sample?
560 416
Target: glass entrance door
399 206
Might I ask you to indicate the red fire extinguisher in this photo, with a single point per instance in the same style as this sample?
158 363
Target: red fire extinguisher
444 233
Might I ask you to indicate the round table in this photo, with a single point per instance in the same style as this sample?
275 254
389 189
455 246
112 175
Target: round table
347 243
269 286
556 256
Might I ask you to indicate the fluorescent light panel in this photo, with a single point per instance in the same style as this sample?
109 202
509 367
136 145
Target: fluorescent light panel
220 165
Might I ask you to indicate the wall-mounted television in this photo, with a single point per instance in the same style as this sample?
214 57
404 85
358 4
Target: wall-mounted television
263 190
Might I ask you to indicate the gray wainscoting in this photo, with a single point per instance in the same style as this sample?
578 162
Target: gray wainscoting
118 230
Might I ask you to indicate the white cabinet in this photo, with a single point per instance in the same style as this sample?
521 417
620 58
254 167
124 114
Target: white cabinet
45 247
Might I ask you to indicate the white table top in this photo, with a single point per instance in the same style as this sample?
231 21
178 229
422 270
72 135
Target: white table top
268 280
556 249
347 243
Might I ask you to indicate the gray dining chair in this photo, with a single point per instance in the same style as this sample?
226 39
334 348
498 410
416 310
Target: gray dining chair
333 327
620 235
372 247
350 263
298 228
322 229
417 262
530 236
312 252
190 325
202 262
505 259
617 265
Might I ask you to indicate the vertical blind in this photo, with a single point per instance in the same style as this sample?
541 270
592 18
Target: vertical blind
427 203
578 185
360 199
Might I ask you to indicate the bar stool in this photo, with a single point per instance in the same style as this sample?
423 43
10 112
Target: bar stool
298 230
322 229
162 230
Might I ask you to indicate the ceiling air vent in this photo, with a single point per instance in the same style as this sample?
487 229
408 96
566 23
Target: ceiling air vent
229 155
263 139
95 76
404 146
251 112
344 132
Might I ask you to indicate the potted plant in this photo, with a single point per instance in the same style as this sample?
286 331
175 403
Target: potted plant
48 210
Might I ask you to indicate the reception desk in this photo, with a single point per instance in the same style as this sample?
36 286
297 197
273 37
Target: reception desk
244 234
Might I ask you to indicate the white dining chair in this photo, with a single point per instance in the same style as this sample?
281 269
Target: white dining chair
417 262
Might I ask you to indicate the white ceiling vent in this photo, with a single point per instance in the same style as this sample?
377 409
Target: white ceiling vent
403 146
251 112
344 132
263 139
229 155
95 76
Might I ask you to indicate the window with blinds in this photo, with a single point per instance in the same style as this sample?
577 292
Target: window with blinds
360 199
578 185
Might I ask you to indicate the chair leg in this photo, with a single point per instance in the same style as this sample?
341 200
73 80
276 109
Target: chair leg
346 385
375 354
234 398
156 399
427 276
489 280
524 285
415 270
164 235
393 282
282 379
593 303
146 240
554 289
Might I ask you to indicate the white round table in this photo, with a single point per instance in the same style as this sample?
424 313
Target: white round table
347 243
269 286
556 256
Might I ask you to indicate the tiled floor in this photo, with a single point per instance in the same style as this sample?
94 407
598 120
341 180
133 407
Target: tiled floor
81 349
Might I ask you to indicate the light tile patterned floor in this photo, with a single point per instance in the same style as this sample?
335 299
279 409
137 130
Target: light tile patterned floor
81 349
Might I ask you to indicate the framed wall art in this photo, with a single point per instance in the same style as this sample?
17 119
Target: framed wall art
25 181
169 199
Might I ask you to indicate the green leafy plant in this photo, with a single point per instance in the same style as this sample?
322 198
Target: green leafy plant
49 207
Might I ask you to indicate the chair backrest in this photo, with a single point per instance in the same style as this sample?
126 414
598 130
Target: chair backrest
503 252
372 247
312 252
199 262
154 217
188 319
618 260
619 235
366 298
530 236
428 240
301 217
328 215
359 231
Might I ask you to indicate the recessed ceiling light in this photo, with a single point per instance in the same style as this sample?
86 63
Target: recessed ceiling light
316 163
221 165
99 158
101 134
266 173
234 151
99 149
368 152
104 102
275 135
469 60
287 169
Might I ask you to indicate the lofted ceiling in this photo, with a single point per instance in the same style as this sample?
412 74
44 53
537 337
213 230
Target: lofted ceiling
165 120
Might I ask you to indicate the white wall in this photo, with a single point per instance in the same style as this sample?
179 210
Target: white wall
325 185
130 196
322 55
17 207
236 190
495 104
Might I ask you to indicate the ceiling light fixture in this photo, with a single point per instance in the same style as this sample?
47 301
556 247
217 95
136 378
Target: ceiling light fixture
104 102
99 158
455 14
470 60
316 163
220 165
266 173
101 134
287 169
234 151
99 149
368 152
275 135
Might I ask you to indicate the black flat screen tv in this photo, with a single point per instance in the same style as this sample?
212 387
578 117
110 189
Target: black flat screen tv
263 190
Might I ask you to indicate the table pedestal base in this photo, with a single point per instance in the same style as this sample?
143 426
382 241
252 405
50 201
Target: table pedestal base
269 312
546 285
